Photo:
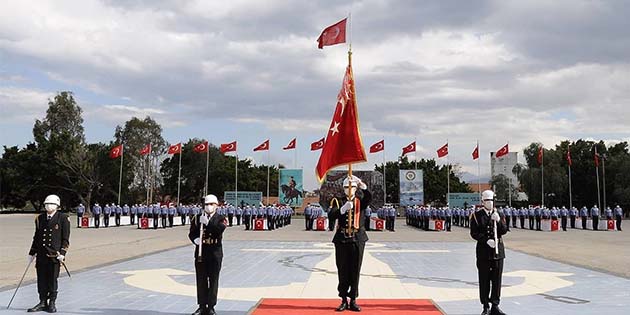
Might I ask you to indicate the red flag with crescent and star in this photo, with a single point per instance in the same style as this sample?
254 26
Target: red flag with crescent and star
175 148
443 151
201 147
569 161
291 145
475 153
343 145
116 152
228 147
503 151
332 35
596 158
317 145
263 146
146 150
378 147
540 155
408 149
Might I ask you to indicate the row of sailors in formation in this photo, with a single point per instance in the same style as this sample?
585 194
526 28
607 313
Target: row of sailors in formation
544 213
185 210
167 213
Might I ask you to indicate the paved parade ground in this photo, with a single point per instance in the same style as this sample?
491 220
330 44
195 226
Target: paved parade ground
128 271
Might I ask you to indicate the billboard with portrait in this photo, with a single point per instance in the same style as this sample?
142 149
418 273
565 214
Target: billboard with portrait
411 187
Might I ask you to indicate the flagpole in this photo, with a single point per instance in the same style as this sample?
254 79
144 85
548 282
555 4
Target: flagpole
542 177
268 162
415 153
384 178
205 187
597 177
604 180
122 156
145 170
570 194
448 177
478 171
236 181
179 174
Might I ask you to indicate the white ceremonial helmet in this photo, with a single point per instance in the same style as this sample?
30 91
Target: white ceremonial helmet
487 197
211 199
52 200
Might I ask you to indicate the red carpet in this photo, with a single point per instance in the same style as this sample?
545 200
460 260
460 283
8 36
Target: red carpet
327 306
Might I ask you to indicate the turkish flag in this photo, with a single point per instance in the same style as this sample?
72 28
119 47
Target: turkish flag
554 225
332 35
116 152
378 147
410 148
317 145
202 147
175 148
228 147
569 156
263 146
540 155
443 151
146 150
439 225
343 143
503 151
291 145
475 153
379 225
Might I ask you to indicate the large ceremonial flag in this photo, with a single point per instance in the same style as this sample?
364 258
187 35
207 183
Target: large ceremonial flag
116 152
343 145
263 146
317 145
332 35
175 148
201 147
291 145
228 147
408 149
502 152
475 153
146 150
443 151
378 147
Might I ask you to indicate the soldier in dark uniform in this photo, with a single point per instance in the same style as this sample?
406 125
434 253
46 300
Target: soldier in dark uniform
349 240
208 264
489 259
49 247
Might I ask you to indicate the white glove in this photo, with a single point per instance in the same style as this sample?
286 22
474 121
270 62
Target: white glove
30 258
495 217
197 241
360 184
61 257
491 243
347 206
204 220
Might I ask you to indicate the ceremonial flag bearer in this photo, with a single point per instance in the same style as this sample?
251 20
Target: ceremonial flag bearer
49 248
206 232
487 227
349 241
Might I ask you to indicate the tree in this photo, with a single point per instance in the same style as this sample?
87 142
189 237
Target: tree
502 188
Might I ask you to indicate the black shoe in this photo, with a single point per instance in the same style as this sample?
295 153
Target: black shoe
354 307
343 306
51 307
496 310
211 312
485 312
202 310
41 306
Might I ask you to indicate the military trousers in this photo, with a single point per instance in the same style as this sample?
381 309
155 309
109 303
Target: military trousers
207 275
348 258
490 273
47 274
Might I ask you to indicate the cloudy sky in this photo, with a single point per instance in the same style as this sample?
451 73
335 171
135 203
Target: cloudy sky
496 71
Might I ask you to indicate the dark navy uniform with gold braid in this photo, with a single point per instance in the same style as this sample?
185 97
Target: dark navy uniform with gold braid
52 238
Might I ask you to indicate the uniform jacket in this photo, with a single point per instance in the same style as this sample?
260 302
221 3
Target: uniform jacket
335 214
51 236
482 230
213 231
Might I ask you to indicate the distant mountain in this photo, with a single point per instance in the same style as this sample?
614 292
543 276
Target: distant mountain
472 178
